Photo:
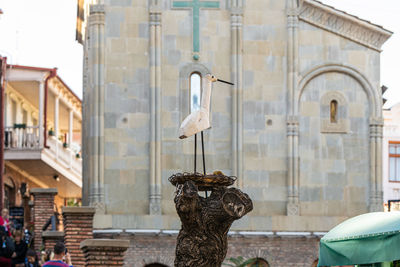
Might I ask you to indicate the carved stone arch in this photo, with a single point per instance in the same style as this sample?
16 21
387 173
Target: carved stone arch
183 93
374 98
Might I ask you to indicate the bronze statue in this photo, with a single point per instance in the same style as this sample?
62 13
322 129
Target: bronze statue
202 240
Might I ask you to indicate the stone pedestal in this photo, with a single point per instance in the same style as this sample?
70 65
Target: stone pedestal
104 252
42 211
50 238
78 226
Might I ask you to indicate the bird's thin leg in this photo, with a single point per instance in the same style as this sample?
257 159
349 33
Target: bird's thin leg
204 159
195 152
202 151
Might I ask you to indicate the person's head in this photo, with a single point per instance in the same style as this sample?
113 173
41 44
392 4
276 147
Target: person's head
31 255
59 249
17 235
4 213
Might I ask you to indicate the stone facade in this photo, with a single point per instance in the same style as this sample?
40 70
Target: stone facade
305 164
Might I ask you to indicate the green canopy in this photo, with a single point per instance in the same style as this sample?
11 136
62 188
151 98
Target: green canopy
365 239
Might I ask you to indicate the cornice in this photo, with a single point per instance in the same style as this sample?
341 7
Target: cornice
343 24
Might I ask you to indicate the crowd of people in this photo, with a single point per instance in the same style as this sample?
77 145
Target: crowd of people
16 251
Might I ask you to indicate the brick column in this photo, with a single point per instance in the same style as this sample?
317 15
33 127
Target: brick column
50 238
43 208
78 226
104 252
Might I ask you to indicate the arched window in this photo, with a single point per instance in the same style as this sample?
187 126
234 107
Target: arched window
334 111
195 91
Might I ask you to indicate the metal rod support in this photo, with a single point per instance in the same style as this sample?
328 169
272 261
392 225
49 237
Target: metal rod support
202 151
195 152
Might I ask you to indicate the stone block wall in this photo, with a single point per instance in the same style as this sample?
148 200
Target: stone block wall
104 252
279 251
78 226
43 209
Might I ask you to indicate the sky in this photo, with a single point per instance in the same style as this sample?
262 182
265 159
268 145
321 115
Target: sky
42 33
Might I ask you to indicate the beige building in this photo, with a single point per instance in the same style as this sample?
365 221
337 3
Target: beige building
42 136
301 128
391 157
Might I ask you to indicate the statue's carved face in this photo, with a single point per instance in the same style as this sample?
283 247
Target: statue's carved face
189 189
233 205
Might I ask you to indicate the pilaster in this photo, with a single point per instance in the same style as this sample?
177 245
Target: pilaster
375 137
237 90
96 65
155 104
293 207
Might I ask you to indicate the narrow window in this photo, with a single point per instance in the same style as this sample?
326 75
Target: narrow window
334 107
394 161
195 91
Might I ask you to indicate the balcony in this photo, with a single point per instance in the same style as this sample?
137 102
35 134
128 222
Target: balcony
42 133
21 137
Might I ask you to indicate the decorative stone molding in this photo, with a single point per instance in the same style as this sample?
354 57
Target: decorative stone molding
343 24
292 126
343 124
373 96
293 209
236 17
155 11
375 128
97 9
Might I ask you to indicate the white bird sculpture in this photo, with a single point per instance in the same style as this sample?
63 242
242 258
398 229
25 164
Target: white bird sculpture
200 119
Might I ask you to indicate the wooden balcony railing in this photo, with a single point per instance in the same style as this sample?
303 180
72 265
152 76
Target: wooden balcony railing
21 137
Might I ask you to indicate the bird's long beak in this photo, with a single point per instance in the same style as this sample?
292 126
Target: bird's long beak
222 81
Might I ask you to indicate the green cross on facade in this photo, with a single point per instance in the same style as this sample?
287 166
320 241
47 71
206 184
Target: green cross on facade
196 5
